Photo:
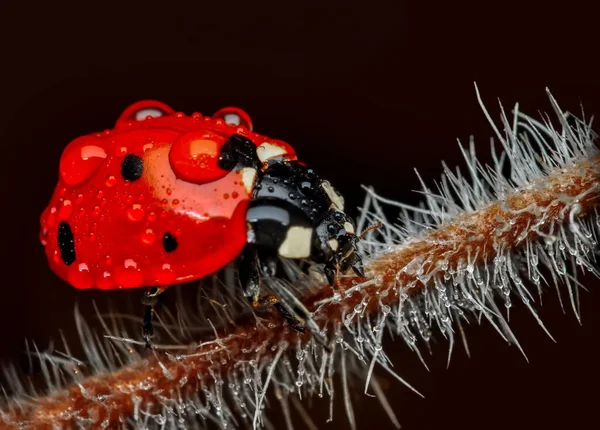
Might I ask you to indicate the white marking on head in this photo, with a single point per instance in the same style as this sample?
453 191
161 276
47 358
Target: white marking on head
335 198
248 178
348 227
333 244
142 114
297 243
268 150
232 119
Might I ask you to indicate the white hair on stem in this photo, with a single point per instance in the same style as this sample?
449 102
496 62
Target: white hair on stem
469 252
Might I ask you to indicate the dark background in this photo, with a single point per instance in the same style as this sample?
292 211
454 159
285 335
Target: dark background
365 93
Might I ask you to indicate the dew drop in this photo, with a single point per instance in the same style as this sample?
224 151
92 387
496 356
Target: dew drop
105 281
79 276
129 275
111 181
148 237
135 213
165 275
66 210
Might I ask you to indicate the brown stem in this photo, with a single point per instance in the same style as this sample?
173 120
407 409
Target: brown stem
530 212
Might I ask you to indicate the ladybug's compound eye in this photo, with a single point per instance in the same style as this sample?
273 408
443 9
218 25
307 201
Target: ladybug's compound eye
234 116
145 109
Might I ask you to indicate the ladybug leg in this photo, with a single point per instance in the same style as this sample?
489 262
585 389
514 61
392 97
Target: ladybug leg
250 269
149 300
250 275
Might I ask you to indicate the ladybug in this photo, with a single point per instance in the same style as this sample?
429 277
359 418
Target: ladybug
165 198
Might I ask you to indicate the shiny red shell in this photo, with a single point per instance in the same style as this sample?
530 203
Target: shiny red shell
118 225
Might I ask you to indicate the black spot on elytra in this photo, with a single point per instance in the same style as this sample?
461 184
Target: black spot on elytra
132 168
238 151
169 242
66 245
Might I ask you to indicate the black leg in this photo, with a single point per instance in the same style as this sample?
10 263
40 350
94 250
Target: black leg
149 300
250 268
249 274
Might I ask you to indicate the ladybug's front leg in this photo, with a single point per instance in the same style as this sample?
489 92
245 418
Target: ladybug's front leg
150 299
250 269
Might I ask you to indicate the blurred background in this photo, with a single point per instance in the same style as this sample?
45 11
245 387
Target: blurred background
365 93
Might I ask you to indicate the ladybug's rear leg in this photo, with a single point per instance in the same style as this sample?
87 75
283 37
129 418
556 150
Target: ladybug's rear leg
150 300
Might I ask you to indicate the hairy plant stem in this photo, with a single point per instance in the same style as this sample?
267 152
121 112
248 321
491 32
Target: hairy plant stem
475 238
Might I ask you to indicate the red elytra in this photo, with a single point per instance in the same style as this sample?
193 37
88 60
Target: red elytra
119 227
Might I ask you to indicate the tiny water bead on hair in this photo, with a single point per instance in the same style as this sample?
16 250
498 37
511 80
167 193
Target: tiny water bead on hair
213 190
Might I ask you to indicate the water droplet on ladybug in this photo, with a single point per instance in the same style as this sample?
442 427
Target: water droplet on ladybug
79 276
79 163
175 202
121 151
165 275
148 237
292 196
105 281
129 275
100 194
79 199
135 213
306 186
51 221
151 217
226 196
65 210
111 181
169 191
271 189
234 195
